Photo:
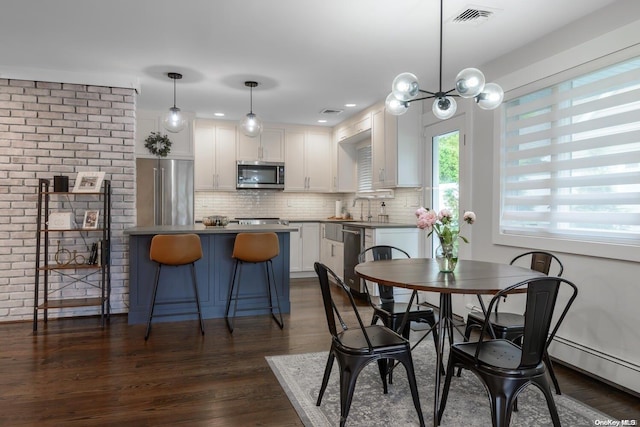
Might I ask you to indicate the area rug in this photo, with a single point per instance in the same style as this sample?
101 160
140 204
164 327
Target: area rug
300 376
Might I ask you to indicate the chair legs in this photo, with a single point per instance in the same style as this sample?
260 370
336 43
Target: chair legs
155 293
349 376
394 323
235 285
153 301
503 396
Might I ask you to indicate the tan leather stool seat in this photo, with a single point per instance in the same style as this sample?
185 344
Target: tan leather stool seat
175 250
254 248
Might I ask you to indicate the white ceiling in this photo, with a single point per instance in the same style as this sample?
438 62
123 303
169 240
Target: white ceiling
306 55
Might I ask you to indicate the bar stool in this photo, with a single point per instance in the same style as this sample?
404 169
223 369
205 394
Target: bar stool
175 250
254 248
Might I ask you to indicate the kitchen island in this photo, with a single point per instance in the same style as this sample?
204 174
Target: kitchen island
213 273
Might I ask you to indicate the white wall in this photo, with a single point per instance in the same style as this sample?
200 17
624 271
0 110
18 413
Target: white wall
600 334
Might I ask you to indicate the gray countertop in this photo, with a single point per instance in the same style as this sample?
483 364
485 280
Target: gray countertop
356 223
237 228
201 229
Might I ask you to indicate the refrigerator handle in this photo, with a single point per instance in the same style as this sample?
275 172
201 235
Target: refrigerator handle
155 194
162 195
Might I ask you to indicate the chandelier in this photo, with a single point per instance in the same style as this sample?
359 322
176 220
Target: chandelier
470 83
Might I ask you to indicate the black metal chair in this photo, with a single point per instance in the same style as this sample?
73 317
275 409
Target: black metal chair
356 347
510 326
386 309
506 368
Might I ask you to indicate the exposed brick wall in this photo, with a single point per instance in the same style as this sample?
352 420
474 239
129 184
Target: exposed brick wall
49 129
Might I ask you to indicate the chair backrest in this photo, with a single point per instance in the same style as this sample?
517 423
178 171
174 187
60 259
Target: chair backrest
542 295
330 308
541 261
175 249
256 247
381 252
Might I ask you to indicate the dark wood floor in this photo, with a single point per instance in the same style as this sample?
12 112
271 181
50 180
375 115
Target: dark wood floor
73 373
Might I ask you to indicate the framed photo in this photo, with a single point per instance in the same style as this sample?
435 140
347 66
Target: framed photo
91 219
88 182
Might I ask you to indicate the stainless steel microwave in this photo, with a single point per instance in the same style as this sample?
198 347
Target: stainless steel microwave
260 175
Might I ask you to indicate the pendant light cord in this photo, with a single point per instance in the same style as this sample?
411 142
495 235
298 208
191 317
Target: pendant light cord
174 92
251 99
441 17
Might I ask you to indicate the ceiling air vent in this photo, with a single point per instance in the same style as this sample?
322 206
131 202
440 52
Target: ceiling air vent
473 15
331 111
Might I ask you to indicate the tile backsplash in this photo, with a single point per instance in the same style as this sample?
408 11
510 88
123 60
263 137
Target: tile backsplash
269 203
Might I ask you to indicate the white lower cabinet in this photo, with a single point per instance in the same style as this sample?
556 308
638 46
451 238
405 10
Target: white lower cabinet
407 239
304 247
332 254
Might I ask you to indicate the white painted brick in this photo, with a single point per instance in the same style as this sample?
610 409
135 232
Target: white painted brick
22 83
46 85
27 155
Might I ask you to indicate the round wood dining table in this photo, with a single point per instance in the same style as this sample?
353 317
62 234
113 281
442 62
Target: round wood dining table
423 274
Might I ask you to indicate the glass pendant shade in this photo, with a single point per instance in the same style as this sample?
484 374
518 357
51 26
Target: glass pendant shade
174 121
405 86
394 106
444 107
251 125
470 82
490 97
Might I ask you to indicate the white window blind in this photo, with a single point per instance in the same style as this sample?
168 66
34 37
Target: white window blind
570 159
364 169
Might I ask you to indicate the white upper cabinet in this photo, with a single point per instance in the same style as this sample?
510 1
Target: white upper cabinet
267 147
347 135
353 129
396 149
308 160
215 161
151 121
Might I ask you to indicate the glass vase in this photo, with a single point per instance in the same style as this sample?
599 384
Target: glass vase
447 256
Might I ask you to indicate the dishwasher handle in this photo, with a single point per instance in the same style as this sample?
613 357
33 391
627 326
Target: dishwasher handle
357 233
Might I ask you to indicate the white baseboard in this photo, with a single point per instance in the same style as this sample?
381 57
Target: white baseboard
603 366
302 274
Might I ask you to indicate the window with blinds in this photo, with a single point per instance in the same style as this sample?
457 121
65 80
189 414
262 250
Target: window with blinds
570 159
364 168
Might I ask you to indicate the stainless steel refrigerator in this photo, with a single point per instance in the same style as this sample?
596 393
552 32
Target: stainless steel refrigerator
164 192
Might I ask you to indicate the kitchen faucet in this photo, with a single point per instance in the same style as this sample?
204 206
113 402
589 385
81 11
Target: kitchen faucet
368 199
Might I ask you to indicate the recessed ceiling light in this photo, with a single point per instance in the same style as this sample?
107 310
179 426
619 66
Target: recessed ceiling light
322 121
349 105
218 114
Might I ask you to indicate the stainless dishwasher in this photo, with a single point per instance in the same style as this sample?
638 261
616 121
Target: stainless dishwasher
353 245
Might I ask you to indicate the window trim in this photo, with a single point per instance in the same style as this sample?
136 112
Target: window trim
609 250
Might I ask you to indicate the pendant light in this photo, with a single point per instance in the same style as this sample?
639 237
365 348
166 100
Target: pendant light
251 124
470 83
174 121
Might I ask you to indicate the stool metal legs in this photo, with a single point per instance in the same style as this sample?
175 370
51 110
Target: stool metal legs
155 293
271 281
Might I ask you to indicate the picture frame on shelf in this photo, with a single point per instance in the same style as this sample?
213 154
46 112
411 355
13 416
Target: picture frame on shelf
60 221
88 182
90 221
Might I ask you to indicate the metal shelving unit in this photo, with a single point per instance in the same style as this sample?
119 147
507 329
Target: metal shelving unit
96 274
